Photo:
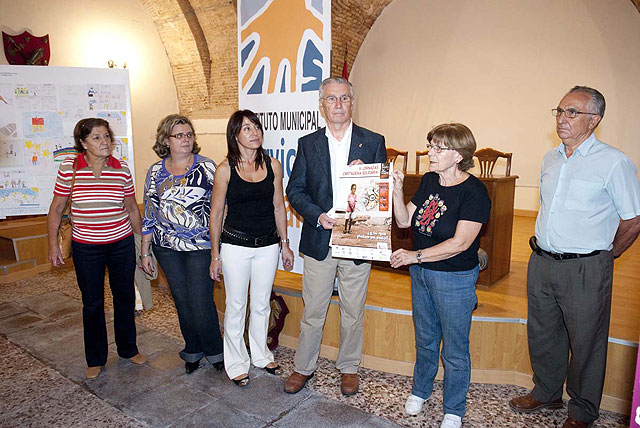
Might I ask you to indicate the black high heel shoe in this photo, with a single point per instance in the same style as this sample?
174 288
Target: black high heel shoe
276 370
242 382
219 365
191 367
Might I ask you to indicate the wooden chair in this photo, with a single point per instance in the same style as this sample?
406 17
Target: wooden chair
418 155
487 159
392 154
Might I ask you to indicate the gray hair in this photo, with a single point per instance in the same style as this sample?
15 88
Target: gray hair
338 80
597 99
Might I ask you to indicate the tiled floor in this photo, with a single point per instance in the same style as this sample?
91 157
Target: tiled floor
42 379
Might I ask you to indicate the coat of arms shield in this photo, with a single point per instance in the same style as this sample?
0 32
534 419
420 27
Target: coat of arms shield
26 49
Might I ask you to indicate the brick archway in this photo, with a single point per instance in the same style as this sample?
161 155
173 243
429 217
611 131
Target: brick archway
199 37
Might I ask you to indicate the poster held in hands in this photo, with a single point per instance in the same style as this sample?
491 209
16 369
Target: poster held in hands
363 213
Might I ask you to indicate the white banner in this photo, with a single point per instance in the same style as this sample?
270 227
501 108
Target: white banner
284 49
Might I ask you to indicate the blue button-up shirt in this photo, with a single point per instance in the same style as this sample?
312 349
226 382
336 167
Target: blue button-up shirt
583 198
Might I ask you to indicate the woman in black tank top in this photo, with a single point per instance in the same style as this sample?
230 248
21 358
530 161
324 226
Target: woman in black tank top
248 245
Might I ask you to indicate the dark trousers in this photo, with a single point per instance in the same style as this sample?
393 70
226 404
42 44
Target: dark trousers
90 262
569 309
192 290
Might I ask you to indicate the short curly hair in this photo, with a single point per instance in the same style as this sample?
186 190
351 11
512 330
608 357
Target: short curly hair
165 127
458 137
84 127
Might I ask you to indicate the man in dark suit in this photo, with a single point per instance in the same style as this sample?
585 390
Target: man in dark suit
312 189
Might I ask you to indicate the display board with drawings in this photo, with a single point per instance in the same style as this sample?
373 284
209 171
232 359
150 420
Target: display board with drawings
39 107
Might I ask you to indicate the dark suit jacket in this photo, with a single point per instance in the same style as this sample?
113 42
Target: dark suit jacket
310 191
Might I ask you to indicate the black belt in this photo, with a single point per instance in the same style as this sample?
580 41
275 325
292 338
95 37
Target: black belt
558 256
237 237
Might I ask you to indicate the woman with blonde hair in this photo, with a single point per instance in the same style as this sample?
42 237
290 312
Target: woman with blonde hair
177 205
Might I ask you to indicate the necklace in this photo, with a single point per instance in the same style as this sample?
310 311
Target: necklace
183 180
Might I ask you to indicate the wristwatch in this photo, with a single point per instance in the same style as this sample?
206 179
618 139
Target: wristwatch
419 256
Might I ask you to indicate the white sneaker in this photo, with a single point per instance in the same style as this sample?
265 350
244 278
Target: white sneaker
413 405
451 421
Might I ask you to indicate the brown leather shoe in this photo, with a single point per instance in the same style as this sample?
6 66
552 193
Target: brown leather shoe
93 372
138 359
349 383
295 382
574 423
528 404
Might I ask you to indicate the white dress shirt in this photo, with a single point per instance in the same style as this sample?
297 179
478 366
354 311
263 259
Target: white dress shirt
339 154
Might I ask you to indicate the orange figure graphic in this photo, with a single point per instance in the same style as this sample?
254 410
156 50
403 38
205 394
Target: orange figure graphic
281 27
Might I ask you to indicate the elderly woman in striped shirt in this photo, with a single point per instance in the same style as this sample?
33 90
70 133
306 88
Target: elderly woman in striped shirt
105 215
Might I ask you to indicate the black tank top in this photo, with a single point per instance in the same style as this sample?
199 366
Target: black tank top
250 205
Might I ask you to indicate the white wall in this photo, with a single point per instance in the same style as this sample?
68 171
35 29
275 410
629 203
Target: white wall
212 137
87 33
499 66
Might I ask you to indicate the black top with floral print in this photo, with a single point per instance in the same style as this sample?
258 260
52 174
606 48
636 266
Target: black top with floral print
438 210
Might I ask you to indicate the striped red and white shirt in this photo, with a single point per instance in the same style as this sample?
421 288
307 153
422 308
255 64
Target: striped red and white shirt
97 203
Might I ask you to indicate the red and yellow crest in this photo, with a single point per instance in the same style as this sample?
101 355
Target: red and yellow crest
26 49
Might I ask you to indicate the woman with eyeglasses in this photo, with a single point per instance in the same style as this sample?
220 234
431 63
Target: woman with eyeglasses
175 224
253 236
446 215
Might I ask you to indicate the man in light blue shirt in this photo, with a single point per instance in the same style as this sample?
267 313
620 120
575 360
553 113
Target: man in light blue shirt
589 214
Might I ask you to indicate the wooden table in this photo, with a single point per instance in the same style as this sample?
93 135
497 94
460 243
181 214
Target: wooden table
495 236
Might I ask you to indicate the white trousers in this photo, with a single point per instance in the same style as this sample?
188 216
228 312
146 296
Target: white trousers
239 266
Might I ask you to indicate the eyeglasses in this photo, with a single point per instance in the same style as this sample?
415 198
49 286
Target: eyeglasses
182 136
332 99
569 113
437 149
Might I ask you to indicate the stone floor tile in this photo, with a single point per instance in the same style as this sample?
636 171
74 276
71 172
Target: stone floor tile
218 415
151 342
19 322
52 305
165 404
11 308
40 334
60 403
318 412
58 353
74 369
264 398
208 379
121 379
72 321
110 418
169 362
